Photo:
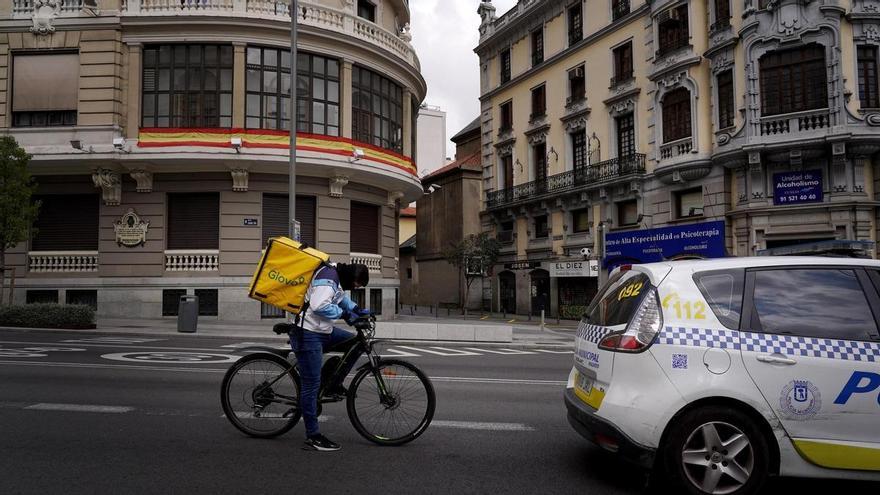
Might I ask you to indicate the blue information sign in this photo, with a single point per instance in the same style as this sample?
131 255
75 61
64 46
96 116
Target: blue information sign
645 246
797 187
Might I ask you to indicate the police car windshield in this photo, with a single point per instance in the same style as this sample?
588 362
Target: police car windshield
619 298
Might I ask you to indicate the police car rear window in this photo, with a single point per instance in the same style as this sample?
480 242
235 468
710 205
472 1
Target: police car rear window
619 299
723 291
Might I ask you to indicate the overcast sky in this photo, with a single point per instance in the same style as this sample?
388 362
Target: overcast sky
445 35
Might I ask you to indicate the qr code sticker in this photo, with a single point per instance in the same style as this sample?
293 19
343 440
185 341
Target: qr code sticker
679 361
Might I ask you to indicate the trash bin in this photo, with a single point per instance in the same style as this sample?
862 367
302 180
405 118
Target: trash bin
188 314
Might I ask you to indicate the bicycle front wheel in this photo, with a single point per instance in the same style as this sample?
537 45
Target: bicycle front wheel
392 405
260 395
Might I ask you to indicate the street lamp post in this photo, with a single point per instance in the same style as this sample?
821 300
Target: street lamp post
293 231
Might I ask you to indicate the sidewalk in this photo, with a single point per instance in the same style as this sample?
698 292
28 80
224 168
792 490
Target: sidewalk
524 333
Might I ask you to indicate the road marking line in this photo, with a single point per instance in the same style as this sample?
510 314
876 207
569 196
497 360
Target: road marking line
503 351
79 408
443 351
511 381
397 353
548 351
144 348
478 425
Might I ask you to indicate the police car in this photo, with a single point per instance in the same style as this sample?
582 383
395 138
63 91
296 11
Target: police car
720 373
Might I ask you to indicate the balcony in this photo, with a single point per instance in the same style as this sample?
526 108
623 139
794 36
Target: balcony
793 123
190 260
373 261
621 78
25 8
312 15
676 148
720 24
62 261
504 236
580 178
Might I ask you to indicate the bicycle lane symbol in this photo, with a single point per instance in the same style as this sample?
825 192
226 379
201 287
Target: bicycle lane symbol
172 357
34 352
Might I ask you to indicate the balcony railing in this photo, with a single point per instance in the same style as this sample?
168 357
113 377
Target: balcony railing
621 78
310 14
22 8
192 260
619 9
719 25
778 125
676 148
373 261
596 173
62 261
504 236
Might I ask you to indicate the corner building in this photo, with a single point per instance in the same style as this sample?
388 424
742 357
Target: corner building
158 131
672 129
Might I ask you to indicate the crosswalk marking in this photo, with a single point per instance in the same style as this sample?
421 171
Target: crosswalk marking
502 351
395 353
80 408
442 351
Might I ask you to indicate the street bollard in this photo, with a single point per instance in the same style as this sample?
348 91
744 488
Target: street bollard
436 310
542 320
188 314
465 313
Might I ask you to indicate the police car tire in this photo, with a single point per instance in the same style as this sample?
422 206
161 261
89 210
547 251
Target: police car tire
690 422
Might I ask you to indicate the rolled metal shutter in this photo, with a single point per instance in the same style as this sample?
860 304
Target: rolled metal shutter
275 208
364 228
194 221
67 222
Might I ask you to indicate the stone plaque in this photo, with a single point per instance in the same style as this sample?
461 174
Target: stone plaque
130 230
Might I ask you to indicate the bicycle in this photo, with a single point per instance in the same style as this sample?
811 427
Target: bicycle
260 392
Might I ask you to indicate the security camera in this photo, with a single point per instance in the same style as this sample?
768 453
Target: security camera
235 142
118 142
357 153
586 252
436 186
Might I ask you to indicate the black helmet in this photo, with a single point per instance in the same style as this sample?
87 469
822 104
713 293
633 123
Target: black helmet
352 273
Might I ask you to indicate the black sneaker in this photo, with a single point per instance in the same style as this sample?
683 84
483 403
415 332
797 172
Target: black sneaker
336 393
321 443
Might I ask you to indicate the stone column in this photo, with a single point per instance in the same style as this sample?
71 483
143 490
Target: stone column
238 85
407 123
345 98
135 67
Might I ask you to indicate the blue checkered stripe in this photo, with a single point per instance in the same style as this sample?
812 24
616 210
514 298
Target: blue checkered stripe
699 337
846 350
592 333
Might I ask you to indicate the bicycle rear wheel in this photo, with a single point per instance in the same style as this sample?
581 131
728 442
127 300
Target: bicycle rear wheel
401 413
260 395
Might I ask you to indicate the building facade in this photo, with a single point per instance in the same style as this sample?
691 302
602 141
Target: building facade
159 139
431 145
655 130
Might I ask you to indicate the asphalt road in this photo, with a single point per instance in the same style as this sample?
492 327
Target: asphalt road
94 413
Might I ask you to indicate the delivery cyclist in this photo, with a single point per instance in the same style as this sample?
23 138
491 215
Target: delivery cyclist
327 302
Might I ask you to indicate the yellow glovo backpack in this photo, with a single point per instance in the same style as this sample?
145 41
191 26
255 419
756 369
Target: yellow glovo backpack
285 273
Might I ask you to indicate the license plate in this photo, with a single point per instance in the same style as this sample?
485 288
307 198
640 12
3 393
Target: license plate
584 383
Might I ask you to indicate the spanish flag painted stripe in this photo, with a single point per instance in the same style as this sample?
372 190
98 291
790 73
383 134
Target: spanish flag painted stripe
839 455
264 138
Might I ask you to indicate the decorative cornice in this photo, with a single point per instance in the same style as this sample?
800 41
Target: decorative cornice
677 66
622 96
239 179
336 185
110 183
144 179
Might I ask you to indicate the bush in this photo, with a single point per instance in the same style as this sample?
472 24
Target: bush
48 316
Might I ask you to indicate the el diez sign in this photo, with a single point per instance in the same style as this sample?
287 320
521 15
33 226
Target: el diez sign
580 268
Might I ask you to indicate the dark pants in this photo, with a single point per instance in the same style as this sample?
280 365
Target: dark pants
309 348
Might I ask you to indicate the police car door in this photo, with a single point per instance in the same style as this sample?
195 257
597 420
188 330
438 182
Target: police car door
811 346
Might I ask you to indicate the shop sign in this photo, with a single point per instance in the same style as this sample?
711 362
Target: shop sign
131 230
522 265
574 268
705 239
791 188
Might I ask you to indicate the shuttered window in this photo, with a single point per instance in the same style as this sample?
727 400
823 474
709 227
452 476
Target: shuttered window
275 208
794 80
67 222
364 228
194 221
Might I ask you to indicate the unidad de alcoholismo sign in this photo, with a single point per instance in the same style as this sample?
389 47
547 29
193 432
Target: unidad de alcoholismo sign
791 188
574 268
646 246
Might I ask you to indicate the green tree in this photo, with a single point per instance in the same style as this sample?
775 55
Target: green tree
17 211
473 256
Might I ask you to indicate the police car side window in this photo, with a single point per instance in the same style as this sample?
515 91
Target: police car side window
807 302
723 290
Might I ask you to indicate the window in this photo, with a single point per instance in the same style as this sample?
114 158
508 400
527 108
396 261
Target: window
359 297
171 301
505 65
577 84
377 110
537 46
539 158
67 222
45 89
275 210
627 212
626 135
672 29
207 301
542 228
193 221
676 115
367 10
869 91
506 116
619 8
575 24
187 86
580 220
364 228
722 15
806 302
41 297
623 64
539 102
507 170
609 308
317 100
689 203
725 99
376 301
793 80
84 297
505 234
723 291
579 148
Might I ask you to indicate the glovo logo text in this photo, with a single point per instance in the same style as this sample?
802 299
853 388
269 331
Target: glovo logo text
281 279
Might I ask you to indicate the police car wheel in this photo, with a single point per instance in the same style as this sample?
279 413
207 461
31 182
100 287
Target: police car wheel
716 450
